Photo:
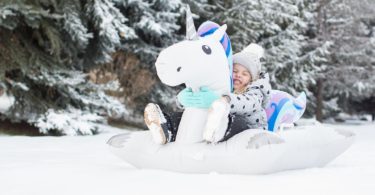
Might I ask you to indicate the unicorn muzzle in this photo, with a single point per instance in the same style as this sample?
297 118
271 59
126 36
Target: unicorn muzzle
161 67
168 74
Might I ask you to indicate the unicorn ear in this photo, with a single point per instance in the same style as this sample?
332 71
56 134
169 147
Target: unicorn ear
191 32
219 33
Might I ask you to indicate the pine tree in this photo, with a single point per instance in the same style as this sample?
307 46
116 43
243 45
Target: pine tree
109 27
157 24
353 57
44 48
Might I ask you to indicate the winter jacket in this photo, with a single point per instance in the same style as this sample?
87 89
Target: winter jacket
253 102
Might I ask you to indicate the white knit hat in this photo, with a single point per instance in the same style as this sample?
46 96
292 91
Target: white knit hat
250 58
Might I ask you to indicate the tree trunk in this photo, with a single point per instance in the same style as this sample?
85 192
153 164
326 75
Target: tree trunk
319 101
323 35
373 116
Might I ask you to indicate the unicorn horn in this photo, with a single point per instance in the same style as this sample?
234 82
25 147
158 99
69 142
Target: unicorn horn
191 32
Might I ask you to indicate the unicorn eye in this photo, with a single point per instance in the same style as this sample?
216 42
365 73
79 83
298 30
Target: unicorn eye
206 49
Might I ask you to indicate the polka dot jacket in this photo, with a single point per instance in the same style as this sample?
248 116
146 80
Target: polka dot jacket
252 102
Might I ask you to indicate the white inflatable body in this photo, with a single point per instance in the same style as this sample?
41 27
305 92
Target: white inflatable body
304 147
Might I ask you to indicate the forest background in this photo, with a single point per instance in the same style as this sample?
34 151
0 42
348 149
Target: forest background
70 64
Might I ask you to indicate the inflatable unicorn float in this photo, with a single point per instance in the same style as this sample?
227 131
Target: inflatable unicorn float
191 62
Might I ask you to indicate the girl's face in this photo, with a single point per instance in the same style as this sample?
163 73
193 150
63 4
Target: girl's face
241 77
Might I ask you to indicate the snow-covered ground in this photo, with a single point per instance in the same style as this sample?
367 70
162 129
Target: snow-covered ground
84 165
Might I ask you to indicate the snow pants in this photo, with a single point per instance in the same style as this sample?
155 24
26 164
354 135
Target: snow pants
236 124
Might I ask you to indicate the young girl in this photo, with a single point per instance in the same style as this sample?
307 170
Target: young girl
245 107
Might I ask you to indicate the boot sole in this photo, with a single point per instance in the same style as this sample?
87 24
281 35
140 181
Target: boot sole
152 118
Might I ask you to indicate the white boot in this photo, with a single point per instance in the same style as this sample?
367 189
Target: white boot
156 123
217 121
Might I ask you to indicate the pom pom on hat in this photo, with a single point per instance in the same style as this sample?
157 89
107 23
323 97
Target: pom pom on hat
250 59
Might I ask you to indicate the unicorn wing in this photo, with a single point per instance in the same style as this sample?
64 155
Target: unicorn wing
284 109
300 104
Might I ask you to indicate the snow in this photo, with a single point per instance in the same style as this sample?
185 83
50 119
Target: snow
6 101
84 165
73 122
